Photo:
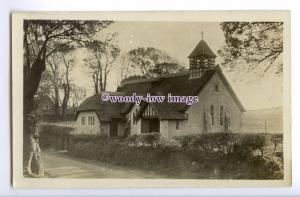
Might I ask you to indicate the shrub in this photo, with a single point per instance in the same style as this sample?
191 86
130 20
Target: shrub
210 142
184 140
240 146
172 143
264 168
276 140
82 138
150 139
227 156
254 142
133 140
145 139
51 136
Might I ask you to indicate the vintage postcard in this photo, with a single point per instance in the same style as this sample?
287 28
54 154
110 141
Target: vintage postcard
151 99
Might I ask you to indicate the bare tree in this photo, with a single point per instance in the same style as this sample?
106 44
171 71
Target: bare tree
56 80
103 55
78 94
67 62
94 72
125 67
41 39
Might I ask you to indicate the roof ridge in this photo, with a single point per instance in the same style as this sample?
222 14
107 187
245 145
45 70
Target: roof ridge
145 80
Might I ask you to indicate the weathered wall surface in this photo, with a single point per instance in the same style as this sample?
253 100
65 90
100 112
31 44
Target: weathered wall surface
207 97
172 131
195 123
104 128
134 128
163 128
121 129
87 129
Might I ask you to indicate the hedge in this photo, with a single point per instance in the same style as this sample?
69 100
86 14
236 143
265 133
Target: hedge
51 136
217 155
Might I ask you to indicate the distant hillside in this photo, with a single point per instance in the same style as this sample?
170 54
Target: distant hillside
261 121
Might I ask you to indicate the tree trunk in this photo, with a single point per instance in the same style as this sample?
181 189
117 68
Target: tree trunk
275 146
56 103
65 101
95 80
100 79
32 162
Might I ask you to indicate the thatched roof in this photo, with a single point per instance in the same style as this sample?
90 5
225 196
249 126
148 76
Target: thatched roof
178 84
104 110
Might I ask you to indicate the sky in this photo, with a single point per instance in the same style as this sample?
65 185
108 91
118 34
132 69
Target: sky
178 39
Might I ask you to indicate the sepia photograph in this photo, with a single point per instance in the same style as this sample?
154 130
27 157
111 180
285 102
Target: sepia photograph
193 97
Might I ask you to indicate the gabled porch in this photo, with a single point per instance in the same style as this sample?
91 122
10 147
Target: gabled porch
150 122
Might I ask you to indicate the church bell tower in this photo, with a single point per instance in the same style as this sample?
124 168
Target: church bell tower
201 59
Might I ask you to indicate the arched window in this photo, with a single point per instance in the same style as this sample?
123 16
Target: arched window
177 124
133 118
212 114
216 88
221 115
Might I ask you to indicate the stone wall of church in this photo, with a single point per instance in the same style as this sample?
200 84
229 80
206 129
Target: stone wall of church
214 94
173 130
163 128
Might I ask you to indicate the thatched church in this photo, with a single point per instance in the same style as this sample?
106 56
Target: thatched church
218 108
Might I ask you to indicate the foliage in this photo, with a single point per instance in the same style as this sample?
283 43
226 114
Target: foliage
254 142
258 44
185 140
169 144
147 139
264 167
133 140
152 62
53 34
84 138
150 139
41 39
276 140
51 135
224 143
133 77
176 162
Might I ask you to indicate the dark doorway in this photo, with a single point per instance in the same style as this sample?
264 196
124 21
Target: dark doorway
150 125
114 128
153 125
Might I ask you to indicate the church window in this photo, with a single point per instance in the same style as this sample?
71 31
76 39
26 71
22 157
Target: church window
212 114
216 88
177 124
133 118
221 115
